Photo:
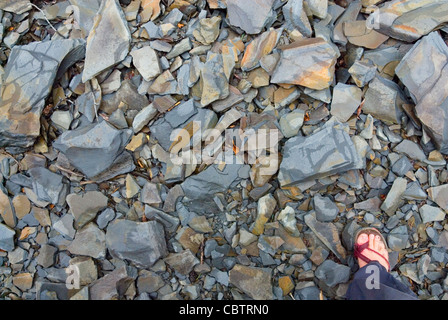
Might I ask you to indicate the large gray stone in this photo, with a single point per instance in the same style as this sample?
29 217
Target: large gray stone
424 71
315 68
328 234
326 152
408 20
89 241
94 156
200 189
48 186
346 99
255 282
84 207
28 79
142 243
251 16
6 238
109 40
332 274
384 100
296 18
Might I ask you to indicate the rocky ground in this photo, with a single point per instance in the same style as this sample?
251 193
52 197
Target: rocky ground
91 92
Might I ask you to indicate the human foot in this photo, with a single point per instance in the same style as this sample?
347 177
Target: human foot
370 246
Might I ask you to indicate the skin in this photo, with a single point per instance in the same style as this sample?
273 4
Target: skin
375 243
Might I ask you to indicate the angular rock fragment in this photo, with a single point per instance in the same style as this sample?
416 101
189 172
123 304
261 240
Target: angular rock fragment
393 199
431 214
324 153
142 243
147 62
6 238
214 79
362 72
94 156
183 262
258 48
29 76
326 210
328 234
439 195
346 99
84 208
384 100
423 71
251 16
315 69
359 34
106 48
48 186
112 286
332 273
84 13
409 20
89 241
208 30
265 208
200 189
296 18
254 282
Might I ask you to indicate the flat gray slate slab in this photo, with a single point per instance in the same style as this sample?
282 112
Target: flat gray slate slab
29 76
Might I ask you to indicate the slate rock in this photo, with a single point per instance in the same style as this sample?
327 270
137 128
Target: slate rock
28 79
6 238
48 186
200 188
346 99
326 152
332 273
251 16
423 70
384 100
431 214
328 234
408 20
89 241
255 282
85 207
142 243
106 49
112 286
94 156
182 262
305 71
326 210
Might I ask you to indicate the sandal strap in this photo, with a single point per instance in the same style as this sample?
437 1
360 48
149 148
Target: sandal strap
360 248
